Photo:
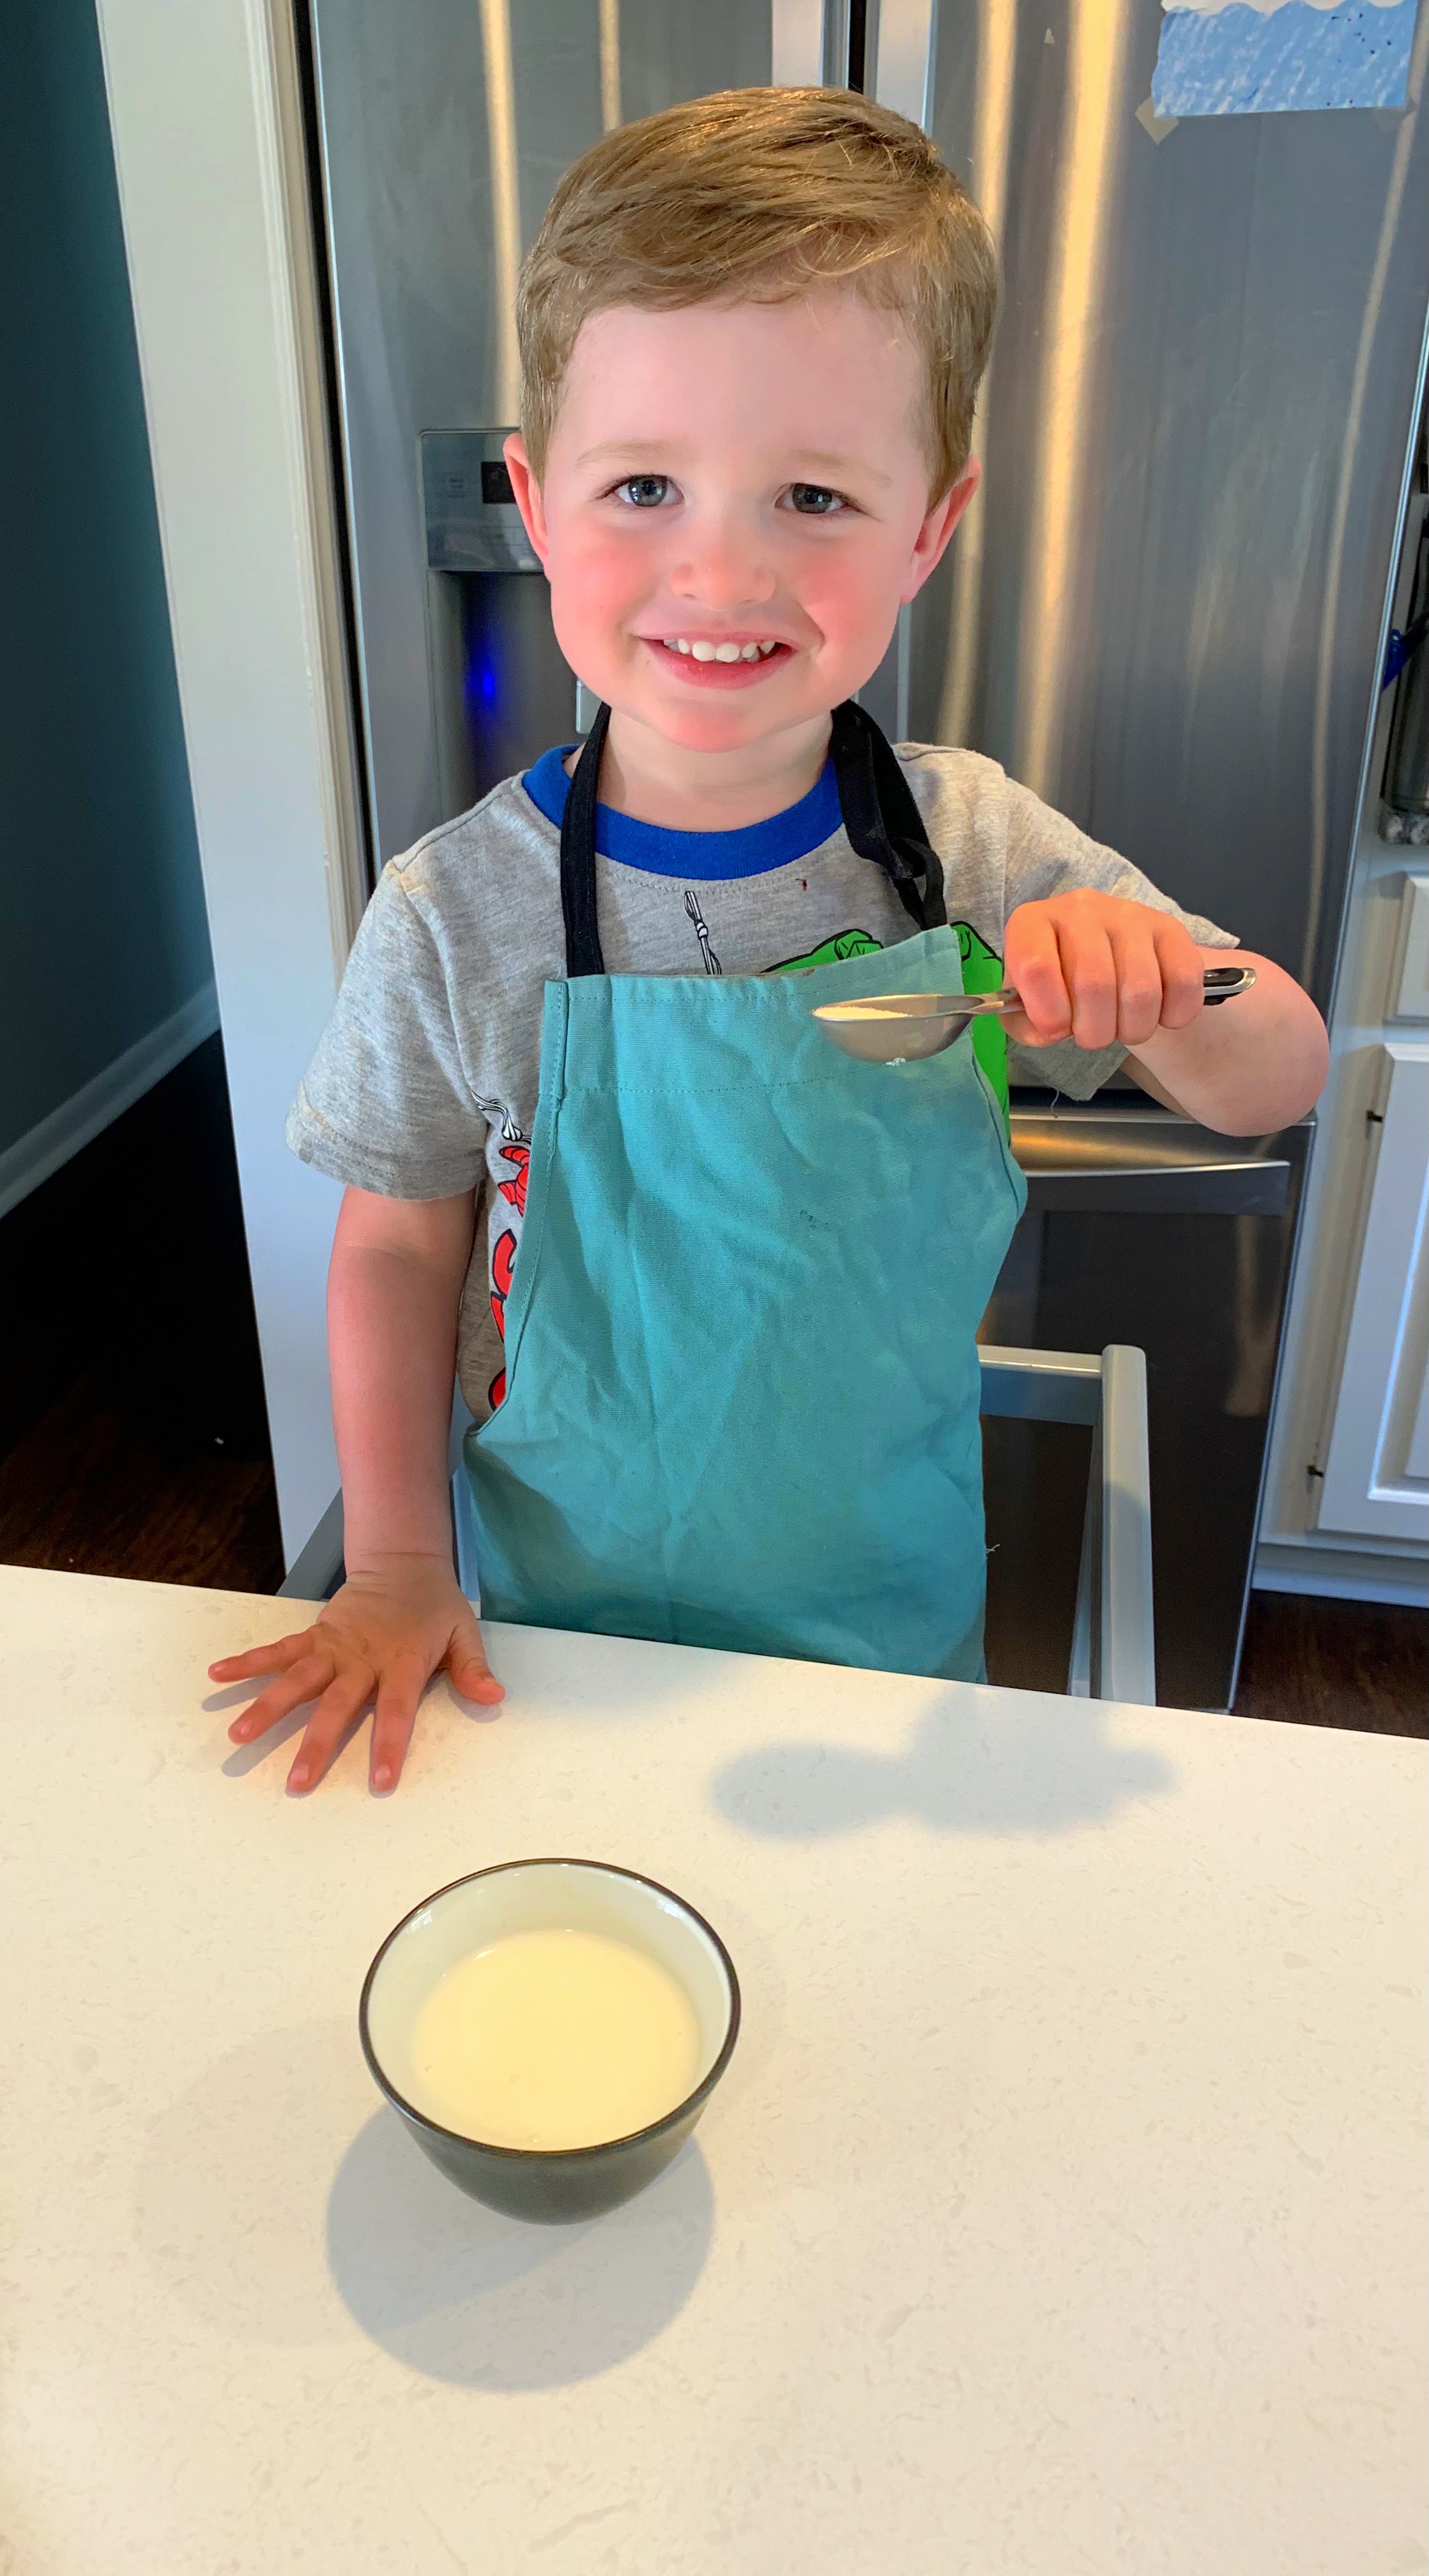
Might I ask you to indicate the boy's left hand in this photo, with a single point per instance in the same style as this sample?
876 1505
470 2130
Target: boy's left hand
1095 968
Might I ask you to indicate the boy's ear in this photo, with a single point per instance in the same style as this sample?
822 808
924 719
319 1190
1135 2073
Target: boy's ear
931 542
528 492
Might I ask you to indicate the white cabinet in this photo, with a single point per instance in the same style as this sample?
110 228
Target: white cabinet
1409 977
1375 1481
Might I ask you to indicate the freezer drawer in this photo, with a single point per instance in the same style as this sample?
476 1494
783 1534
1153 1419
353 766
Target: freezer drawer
1142 1227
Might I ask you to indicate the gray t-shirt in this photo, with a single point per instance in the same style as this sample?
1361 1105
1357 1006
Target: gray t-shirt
426 1080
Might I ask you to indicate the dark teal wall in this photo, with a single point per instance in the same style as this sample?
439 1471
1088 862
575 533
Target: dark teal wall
102 927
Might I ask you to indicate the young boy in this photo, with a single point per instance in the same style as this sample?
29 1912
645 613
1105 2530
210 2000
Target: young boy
728 1392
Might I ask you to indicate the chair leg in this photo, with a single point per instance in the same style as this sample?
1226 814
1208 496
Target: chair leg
1127 1633
1081 1671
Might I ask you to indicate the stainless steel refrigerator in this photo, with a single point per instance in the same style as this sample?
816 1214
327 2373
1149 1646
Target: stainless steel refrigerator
1165 613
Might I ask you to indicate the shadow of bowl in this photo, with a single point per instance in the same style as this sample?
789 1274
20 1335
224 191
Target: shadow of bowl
463 2295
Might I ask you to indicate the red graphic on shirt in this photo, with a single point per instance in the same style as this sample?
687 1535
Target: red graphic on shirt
515 1190
503 1264
516 1152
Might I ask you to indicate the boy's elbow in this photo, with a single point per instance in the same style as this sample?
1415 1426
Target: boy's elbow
1297 1063
1307 1057
1263 1116
1290 1056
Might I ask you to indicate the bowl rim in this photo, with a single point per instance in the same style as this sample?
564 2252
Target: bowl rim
603 2146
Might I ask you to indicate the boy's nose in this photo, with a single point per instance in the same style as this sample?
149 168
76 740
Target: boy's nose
723 574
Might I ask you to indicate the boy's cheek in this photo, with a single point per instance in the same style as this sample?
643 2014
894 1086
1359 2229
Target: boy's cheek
593 600
856 619
851 593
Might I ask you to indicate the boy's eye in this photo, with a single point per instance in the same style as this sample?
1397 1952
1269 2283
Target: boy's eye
815 500
645 491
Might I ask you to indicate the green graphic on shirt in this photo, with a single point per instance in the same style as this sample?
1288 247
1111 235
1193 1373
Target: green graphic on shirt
982 973
830 952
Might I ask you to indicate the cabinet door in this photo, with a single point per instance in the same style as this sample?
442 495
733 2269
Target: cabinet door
1376 1479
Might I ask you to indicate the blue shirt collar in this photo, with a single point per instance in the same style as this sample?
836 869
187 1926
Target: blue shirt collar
749 852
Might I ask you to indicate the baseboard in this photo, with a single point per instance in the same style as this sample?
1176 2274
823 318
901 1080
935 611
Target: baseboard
86 1114
1342 1573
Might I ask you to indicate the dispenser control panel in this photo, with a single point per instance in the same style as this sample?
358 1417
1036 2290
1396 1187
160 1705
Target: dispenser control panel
472 522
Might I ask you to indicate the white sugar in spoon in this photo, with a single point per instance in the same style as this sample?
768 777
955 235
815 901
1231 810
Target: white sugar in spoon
902 1028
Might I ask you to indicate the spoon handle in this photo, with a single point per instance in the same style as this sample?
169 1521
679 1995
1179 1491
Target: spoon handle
1219 984
1222 983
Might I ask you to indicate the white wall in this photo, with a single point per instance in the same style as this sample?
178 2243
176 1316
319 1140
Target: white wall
106 980
201 123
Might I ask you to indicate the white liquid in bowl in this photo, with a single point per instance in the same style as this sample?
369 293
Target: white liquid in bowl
552 2039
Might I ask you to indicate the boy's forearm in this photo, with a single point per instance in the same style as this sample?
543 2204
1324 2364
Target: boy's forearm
392 1322
1248 1066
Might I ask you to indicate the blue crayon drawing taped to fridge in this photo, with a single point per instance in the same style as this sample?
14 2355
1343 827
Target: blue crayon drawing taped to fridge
1253 57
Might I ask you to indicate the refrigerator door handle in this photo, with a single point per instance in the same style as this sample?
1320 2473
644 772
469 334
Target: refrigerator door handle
1232 1188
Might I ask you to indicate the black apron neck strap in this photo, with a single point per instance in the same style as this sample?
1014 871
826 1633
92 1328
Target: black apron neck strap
583 950
880 817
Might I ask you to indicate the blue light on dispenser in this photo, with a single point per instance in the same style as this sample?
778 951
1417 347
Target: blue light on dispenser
479 684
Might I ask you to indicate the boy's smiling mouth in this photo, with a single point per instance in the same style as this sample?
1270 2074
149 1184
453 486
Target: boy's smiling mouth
719 661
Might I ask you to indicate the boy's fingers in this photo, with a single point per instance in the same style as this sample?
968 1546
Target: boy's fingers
398 1696
1034 966
1183 992
1138 984
337 1712
274 1658
466 1663
304 1679
1089 973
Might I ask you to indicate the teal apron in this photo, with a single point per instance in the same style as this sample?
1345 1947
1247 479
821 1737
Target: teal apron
741 1398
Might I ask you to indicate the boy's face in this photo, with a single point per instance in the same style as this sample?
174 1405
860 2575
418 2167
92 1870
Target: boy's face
734 476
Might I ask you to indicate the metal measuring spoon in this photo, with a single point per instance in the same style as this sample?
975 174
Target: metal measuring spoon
902 1028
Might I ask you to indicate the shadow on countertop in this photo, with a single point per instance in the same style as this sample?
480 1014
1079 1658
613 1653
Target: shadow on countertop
463 2295
268 2244
965 1771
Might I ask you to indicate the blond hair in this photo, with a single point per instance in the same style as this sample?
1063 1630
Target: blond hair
759 195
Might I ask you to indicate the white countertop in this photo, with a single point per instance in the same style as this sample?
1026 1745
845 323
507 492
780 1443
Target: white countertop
1061 2212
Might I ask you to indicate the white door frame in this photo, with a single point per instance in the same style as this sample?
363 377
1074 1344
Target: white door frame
205 111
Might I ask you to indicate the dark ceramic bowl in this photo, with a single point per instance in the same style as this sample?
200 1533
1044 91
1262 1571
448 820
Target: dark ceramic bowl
539 1896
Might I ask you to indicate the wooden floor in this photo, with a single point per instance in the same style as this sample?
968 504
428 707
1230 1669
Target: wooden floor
133 1438
1336 1663
95 1487
133 1434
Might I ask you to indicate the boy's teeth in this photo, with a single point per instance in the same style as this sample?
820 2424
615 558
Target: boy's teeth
704 651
